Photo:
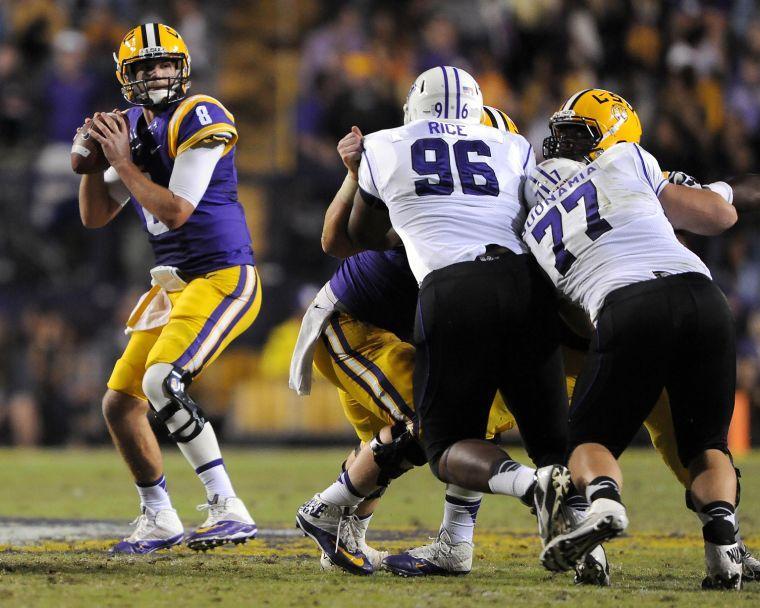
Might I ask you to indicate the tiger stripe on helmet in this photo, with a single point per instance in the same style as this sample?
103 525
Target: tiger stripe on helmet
574 99
149 35
152 41
493 117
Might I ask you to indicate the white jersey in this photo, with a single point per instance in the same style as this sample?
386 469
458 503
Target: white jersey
450 188
605 228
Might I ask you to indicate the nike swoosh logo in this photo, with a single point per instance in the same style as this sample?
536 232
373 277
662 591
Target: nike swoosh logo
356 561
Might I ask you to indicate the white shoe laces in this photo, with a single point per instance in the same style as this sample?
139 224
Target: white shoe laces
349 530
441 545
143 527
215 511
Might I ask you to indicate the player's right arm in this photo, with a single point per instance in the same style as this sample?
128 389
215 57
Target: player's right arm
335 239
96 207
101 197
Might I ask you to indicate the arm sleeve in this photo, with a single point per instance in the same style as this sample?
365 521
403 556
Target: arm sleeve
192 172
201 118
116 188
652 173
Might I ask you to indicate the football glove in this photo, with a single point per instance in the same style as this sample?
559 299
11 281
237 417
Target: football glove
682 179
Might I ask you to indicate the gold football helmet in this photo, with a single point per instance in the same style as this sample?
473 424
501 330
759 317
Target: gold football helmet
493 117
590 122
150 42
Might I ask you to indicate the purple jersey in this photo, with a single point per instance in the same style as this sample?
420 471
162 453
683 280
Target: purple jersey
215 235
378 287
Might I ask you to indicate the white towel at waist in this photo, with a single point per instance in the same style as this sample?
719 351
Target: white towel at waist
152 311
314 322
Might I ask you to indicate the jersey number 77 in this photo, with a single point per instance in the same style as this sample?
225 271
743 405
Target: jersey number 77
596 226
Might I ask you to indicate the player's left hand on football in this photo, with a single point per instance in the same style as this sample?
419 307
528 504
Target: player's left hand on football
110 130
350 151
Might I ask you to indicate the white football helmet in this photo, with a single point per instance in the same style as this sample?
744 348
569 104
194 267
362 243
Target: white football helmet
444 92
548 176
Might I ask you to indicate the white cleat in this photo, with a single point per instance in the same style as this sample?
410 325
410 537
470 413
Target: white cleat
228 521
606 519
724 567
750 564
442 557
552 484
594 569
154 530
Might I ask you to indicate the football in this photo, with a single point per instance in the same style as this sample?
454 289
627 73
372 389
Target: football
86 154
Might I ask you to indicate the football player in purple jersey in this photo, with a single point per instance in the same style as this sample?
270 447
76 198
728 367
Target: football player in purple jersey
172 159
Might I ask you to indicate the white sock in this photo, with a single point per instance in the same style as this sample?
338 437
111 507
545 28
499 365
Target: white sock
342 492
364 525
512 479
202 452
204 455
154 495
460 509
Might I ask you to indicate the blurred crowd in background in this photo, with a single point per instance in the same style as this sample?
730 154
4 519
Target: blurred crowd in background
691 68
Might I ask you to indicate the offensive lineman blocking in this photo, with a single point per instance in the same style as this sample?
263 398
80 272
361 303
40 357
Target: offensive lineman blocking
601 226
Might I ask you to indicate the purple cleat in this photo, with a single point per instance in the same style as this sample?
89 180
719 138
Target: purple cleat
228 521
154 530
336 531
442 557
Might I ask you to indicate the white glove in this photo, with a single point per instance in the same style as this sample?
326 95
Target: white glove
680 178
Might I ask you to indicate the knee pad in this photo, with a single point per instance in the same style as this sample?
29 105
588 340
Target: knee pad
397 457
173 387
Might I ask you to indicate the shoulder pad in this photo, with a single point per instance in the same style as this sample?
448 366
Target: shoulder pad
197 118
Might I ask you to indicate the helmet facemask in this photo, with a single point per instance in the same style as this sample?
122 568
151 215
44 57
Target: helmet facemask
141 93
573 137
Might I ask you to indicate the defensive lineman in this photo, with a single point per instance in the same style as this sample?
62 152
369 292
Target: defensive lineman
486 317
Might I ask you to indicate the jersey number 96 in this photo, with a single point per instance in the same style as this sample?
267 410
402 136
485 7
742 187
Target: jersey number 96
431 156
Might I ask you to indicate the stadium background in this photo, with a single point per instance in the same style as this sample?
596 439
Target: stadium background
297 74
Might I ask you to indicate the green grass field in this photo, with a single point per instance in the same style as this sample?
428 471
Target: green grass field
660 562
